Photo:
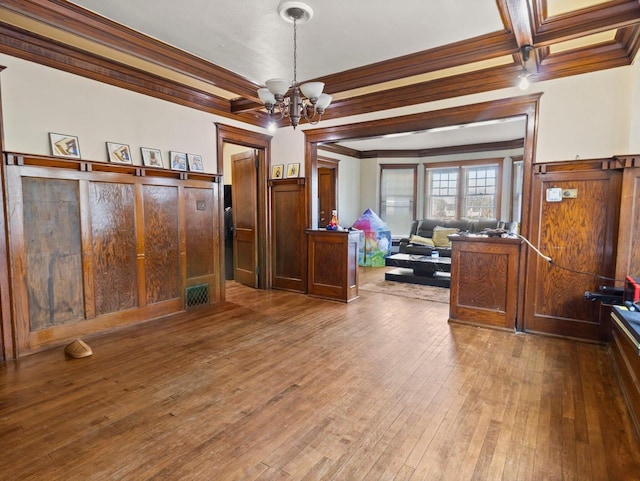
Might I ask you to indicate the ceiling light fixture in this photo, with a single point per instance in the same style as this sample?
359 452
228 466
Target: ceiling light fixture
524 75
304 101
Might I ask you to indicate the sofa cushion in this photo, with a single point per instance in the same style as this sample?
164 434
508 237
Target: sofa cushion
416 239
426 227
440 234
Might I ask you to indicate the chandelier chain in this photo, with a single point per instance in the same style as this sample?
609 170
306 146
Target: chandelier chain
295 53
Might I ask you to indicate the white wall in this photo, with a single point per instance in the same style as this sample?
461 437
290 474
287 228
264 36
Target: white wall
634 105
592 115
585 115
37 100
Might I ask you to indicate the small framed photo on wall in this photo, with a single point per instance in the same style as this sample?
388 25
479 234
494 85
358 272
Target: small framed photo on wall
293 170
178 160
195 163
151 157
119 153
63 145
277 171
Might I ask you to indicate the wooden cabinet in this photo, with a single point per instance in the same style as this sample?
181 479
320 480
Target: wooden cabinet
625 350
333 264
94 246
484 280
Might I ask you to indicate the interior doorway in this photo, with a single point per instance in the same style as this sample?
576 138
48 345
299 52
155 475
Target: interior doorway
247 186
327 189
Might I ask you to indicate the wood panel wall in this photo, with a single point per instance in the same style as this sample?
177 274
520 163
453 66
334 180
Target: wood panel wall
288 235
580 235
493 301
94 246
628 261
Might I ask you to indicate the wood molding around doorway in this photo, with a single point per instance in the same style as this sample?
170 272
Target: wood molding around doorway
255 140
526 105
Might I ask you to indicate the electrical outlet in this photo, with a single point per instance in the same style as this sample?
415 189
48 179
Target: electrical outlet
570 194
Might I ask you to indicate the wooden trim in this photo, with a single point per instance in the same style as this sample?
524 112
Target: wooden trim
452 150
76 20
341 149
7 345
598 18
526 105
32 47
261 142
480 48
246 108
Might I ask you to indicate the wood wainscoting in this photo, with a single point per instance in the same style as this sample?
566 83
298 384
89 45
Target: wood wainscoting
580 235
288 234
484 281
95 246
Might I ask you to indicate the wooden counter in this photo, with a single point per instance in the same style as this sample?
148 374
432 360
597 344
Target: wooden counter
333 264
484 281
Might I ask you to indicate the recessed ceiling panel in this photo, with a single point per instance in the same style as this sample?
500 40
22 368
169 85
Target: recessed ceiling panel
559 7
479 133
249 38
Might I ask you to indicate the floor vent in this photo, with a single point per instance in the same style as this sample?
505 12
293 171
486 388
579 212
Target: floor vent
197 295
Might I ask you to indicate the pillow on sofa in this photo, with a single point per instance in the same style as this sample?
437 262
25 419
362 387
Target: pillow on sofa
440 234
417 239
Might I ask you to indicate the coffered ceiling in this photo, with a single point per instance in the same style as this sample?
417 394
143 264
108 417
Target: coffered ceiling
373 55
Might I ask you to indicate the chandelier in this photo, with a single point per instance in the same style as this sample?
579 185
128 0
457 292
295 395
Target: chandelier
304 101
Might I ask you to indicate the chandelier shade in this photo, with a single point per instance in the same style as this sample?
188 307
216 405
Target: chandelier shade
306 101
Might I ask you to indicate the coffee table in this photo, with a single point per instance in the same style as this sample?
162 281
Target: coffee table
416 269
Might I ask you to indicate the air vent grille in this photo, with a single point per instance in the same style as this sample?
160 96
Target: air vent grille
197 295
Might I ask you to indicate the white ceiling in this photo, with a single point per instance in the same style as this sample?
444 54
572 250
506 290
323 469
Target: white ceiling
479 133
249 38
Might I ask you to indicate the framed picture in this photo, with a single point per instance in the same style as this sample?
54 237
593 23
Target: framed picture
277 171
119 153
178 160
151 157
195 163
293 170
63 145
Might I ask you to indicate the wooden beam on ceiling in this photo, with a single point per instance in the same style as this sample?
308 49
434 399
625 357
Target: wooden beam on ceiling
76 20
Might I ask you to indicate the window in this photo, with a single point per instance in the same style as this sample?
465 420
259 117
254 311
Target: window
397 196
464 190
441 199
516 189
480 194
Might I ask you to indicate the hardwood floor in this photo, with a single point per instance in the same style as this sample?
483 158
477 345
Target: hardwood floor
280 386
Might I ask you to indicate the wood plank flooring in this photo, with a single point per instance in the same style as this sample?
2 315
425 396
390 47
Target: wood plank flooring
280 386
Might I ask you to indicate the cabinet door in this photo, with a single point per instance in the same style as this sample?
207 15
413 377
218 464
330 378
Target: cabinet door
288 237
580 236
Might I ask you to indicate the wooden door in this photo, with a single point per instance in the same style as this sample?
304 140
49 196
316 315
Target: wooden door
580 236
326 194
244 191
288 235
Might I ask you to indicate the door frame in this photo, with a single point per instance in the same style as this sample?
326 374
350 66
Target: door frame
333 164
526 105
254 140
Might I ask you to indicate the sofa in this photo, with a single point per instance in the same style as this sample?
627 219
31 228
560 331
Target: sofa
427 235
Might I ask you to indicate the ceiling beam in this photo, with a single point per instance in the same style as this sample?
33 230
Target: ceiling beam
481 48
607 16
78 21
32 47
